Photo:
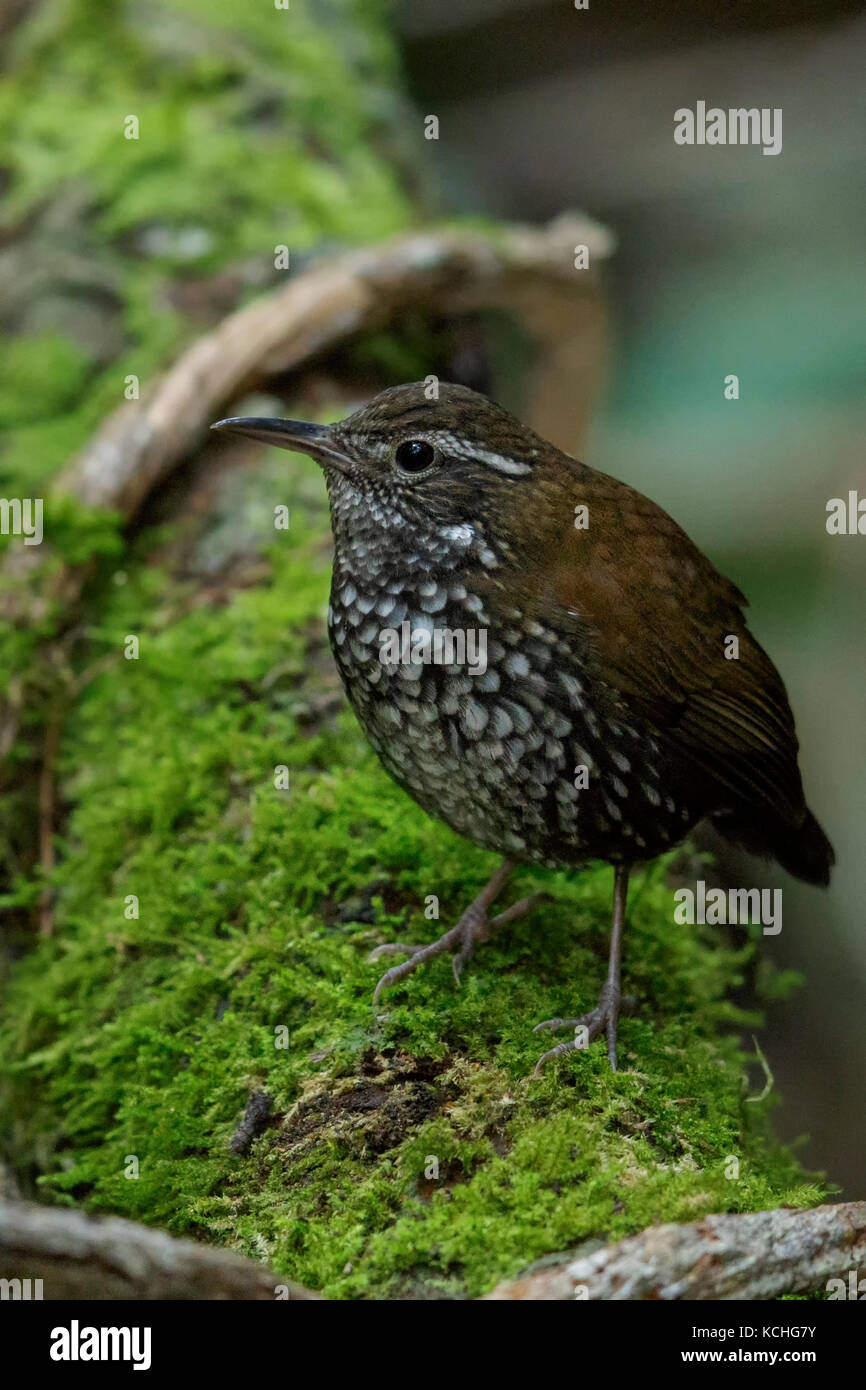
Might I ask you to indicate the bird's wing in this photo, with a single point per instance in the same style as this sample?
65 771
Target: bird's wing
659 618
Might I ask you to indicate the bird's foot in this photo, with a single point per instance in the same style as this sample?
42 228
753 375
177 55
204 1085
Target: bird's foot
474 927
587 1028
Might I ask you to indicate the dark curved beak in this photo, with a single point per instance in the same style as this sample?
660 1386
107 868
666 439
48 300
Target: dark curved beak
300 436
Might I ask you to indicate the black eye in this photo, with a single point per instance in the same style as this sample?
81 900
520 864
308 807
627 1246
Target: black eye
414 455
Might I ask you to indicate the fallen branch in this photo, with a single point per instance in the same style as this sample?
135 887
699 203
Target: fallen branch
529 271
751 1255
448 270
757 1255
84 1257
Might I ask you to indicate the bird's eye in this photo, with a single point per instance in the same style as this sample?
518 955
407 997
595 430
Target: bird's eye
414 455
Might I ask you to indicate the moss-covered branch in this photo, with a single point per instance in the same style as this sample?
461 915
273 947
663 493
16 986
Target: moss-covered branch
211 940
226 849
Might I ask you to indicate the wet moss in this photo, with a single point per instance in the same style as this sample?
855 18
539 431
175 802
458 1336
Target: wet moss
211 927
406 1150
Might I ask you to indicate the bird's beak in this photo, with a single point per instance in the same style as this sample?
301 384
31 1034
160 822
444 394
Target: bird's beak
300 436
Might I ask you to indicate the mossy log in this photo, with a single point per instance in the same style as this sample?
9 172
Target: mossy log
213 849
211 927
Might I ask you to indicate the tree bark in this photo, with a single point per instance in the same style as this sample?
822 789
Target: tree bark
79 1256
443 270
762 1255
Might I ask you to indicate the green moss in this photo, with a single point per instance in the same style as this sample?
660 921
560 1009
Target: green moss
41 375
408 1153
256 127
146 1036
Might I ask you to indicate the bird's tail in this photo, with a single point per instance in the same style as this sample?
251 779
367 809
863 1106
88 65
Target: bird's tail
806 853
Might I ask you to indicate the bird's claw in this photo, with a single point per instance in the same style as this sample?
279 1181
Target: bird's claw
474 927
587 1028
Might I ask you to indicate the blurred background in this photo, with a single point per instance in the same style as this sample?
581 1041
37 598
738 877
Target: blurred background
727 261
305 125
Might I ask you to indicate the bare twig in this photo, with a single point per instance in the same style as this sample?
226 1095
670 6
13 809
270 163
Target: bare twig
255 1120
79 1256
768 1076
752 1255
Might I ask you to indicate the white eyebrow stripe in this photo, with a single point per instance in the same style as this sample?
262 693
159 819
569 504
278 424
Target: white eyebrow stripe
463 449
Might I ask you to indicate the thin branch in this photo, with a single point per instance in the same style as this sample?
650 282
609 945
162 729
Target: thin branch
751 1255
78 1256
443 270
768 1076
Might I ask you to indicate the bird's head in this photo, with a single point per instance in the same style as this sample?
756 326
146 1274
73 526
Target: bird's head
451 463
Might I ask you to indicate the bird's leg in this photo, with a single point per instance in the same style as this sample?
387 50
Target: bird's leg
606 1012
474 926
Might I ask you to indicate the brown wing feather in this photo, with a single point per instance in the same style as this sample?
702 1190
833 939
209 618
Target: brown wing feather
658 615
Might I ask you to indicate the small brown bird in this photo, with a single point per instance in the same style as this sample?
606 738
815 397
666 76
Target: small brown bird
543 659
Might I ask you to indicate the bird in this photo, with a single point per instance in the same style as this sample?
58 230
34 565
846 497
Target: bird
614 697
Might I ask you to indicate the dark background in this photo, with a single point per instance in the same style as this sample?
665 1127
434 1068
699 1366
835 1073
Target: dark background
727 261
